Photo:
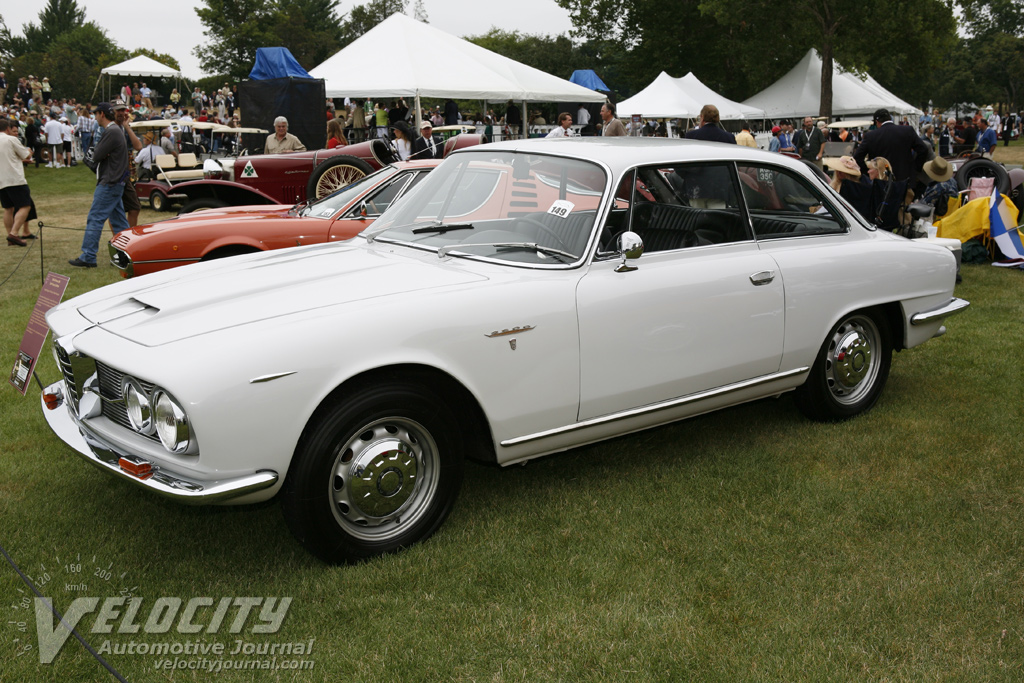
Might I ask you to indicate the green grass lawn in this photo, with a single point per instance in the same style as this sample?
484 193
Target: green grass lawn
750 544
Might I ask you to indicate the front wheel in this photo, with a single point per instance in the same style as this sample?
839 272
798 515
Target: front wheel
850 370
376 472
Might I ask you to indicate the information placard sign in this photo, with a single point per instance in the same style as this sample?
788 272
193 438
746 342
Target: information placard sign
36 331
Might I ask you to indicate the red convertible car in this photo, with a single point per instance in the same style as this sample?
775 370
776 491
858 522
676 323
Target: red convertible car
218 233
276 178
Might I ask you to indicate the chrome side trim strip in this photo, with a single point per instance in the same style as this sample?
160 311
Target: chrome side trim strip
654 407
169 260
952 307
271 377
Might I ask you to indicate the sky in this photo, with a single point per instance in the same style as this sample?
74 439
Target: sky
174 28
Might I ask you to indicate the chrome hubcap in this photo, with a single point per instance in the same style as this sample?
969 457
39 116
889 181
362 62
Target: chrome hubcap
384 478
849 370
336 178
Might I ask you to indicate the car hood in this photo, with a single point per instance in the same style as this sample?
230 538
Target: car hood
239 213
194 300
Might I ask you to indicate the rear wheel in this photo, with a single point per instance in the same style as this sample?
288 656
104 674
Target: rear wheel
377 471
851 369
334 174
200 204
158 201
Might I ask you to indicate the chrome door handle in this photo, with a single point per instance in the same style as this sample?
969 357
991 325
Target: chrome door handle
762 278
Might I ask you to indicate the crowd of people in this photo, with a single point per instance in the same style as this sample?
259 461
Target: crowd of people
38 126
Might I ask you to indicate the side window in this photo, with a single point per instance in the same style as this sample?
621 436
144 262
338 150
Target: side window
687 205
618 218
382 198
783 204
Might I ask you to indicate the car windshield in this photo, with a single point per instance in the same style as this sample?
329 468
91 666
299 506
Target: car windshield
332 203
511 206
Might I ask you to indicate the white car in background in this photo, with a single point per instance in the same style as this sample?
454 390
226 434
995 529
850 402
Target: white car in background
526 298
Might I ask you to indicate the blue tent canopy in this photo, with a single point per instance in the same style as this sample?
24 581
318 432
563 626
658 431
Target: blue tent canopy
588 79
276 62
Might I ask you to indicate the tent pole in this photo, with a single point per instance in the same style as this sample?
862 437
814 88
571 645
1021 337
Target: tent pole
526 123
419 110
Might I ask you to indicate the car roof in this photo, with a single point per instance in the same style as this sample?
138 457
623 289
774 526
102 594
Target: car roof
624 152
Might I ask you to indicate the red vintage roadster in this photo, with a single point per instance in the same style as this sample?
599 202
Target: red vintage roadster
276 178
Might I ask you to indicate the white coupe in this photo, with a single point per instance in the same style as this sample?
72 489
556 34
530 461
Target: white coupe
526 298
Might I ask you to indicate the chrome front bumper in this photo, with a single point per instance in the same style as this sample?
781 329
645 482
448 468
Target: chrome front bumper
952 307
159 479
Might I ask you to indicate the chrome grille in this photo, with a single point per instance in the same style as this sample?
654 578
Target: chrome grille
110 392
65 367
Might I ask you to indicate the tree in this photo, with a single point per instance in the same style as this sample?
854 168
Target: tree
554 55
364 17
57 18
310 29
234 29
419 12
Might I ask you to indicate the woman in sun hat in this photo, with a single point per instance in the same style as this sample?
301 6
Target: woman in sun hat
843 168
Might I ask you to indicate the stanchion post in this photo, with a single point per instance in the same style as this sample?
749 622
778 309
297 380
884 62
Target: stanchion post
42 268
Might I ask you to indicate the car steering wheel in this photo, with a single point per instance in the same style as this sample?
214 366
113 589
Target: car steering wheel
547 231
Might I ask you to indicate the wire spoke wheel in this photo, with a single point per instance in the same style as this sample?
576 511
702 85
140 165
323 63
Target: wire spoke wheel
333 179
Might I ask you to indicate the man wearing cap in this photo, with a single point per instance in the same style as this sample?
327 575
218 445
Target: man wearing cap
130 198
942 187
111 155
281 141
775 144
901 145
427 146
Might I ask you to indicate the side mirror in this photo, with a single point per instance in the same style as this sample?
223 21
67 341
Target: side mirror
630 247
362 209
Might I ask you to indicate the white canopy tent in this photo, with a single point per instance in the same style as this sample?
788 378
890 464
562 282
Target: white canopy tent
727 109
141 66
664 98
402 57
798 93
683 98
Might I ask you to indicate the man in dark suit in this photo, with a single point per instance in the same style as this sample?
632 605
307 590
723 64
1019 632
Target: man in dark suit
427 146
709 129
900 145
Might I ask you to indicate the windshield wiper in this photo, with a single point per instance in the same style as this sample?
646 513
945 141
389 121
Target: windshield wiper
442 227
532 246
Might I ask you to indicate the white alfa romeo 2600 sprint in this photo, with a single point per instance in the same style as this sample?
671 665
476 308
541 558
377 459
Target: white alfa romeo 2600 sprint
525 298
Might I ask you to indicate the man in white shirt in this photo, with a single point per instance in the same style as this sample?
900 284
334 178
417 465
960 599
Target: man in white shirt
583 118
55 141
563 130
146 157
14 195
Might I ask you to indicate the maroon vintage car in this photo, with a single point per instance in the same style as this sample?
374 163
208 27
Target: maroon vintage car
278 178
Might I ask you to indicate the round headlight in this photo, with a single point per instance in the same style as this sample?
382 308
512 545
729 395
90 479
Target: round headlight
171 423
140 413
